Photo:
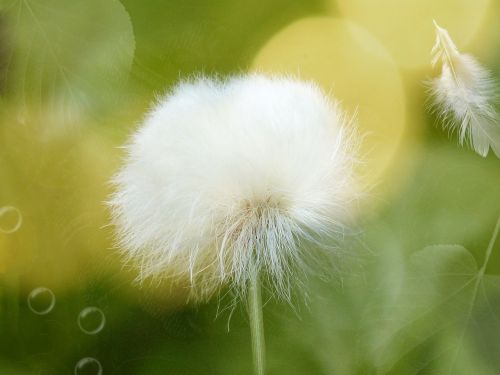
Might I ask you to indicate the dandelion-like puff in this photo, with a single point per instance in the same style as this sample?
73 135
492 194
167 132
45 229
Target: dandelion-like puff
226 179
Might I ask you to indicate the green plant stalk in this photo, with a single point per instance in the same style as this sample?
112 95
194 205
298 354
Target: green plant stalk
490 246
257 324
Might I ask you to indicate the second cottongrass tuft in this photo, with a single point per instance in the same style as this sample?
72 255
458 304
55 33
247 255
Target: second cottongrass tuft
465 95
226 179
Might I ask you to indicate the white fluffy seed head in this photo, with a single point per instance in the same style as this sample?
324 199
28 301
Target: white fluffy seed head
227 178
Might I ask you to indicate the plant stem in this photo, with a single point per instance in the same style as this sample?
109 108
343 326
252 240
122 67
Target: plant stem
257 324
490 246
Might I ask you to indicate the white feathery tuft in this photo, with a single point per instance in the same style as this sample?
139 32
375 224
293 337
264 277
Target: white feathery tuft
227 178
464 96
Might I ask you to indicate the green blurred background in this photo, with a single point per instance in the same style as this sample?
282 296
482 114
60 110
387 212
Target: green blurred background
410 294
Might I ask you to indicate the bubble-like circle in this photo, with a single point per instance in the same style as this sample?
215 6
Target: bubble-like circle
88 366
10 219
41 300
91 320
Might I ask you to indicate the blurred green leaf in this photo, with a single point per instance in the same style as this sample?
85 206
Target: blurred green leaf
444 295
67 57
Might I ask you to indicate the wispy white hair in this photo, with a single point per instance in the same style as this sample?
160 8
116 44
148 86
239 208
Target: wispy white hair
229 177
465 95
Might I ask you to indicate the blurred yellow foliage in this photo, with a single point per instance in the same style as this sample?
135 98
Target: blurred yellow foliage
58 185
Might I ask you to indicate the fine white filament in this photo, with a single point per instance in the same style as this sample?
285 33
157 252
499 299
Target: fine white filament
464 96
225 179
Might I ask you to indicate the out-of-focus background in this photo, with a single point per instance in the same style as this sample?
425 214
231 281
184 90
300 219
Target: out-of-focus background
412 293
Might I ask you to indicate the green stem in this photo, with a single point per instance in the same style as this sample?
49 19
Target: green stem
257 324
490 246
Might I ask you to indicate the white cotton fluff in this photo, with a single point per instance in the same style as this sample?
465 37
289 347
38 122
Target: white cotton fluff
465 95
227 178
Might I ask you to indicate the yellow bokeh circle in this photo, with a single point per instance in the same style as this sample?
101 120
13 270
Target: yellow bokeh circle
352 66
405 27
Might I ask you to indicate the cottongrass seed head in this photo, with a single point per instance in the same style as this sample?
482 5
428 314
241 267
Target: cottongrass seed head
226 178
